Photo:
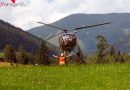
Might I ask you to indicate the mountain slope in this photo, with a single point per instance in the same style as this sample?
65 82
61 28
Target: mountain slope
17 37
87 37
123 44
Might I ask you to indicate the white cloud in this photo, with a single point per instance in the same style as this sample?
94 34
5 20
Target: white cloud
49 11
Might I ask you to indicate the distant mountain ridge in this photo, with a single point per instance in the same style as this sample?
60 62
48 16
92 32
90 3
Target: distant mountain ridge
123 44
120 27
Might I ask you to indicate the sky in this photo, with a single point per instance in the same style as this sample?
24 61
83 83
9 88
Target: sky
49 11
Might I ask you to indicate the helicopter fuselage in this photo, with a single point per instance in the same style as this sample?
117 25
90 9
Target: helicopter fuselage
68 41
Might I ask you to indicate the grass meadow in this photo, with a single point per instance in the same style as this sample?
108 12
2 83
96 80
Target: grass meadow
70 77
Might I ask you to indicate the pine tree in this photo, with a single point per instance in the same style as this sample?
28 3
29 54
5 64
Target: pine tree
9 53
119 57
101 48
80 58
31 58
112 50
22 56
42 54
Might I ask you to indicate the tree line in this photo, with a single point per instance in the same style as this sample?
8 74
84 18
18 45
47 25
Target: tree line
21 56
105 53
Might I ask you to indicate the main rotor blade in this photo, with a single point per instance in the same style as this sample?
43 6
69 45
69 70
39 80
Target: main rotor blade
52 26
90 26
54 36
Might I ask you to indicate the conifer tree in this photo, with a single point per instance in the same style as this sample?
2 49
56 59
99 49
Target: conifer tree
22 56
101 48
9 53
42 54
80 57
112 50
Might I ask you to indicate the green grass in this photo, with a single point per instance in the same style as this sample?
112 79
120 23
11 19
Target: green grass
71 77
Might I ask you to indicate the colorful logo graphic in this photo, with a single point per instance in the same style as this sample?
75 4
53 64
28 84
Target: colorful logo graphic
13 1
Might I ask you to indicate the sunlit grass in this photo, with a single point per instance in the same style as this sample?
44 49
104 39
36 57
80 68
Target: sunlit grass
71 77
4 64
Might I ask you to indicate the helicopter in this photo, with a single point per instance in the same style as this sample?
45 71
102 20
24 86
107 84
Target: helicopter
68 38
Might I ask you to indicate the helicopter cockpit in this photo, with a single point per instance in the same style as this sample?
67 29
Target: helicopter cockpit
68 37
